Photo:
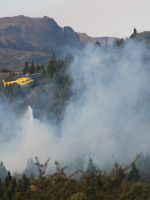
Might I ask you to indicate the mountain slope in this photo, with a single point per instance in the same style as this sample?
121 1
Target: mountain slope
86 39
36 34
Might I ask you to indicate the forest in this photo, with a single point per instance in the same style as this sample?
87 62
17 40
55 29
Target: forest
51 83
120 183
48 97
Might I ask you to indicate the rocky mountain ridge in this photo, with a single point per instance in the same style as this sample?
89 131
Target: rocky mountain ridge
36 39
36 34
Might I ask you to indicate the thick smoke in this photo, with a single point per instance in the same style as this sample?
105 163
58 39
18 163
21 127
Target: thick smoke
107 116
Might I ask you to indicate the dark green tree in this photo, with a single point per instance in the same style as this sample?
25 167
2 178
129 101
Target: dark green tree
68 60
22 188
1 189
25 183
134 34
10 191
26 68
7 180
37 69
3 171
42 68
92 167
14 91
134 174
51 67
97 44
32 68
119 42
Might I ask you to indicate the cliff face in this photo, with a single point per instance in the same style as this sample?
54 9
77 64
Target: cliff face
36 34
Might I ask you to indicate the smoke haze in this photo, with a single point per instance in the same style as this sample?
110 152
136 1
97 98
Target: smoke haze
108 114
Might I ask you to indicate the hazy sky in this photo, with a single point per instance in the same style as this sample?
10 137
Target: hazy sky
94 17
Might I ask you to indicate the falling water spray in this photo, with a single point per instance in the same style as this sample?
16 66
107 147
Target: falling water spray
28 118
108 116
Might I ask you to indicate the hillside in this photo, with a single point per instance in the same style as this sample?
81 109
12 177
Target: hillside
144 36
36 39
38 36
86 39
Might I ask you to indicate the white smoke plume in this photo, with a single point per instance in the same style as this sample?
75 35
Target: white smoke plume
108 115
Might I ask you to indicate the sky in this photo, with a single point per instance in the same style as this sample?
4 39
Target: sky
97 18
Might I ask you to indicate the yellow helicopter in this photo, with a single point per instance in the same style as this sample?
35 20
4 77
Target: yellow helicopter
24 81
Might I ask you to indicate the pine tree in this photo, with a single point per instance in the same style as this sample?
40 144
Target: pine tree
25 183
42 68
119 42
134 174
22 188
92 167
37 69
97 44
1 189
32 68
52 67
10 192
3 171
134 34
26 68
7 180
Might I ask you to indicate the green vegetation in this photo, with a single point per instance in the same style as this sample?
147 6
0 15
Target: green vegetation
123 183
48 98
134 34
52 83
51 88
